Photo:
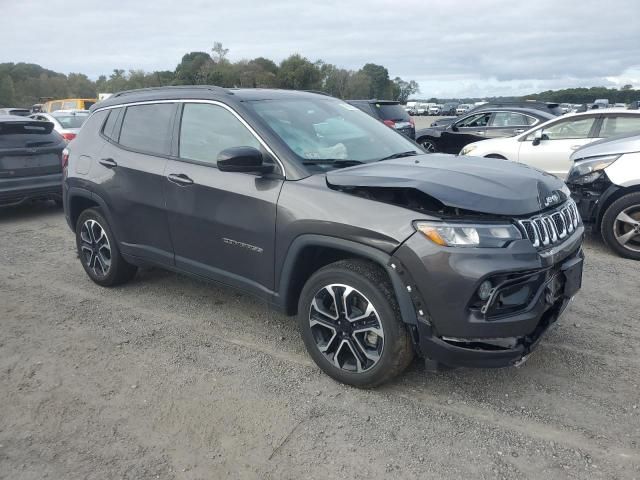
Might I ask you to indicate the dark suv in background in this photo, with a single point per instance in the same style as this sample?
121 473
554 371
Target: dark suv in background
391 113
31 156
306 202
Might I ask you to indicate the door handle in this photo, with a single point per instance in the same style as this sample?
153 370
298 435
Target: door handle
480 132
179 179
575 147
519 130
108 162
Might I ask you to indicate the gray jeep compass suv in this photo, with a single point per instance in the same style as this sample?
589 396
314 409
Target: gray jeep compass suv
382 252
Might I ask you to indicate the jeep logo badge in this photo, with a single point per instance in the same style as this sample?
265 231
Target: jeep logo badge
551 199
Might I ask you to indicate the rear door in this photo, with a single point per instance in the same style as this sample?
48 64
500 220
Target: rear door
618 124
29 148
560 140
507 124
130 175
463 132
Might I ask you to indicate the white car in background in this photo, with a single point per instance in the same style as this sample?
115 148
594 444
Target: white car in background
66 122
549 146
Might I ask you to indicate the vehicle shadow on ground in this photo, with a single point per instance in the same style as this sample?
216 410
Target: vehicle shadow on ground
29 211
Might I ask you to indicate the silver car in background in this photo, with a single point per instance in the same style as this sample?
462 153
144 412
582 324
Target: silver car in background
605 183
66 122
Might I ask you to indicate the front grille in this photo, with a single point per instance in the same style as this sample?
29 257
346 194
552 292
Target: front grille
549 229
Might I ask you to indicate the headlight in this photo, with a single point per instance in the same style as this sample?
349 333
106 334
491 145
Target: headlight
469 235
468 149
588 171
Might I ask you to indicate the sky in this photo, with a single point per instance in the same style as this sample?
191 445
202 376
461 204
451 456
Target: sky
452 48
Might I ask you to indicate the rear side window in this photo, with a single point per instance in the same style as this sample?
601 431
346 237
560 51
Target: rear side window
148 128
511 119
207 129
393 112
619 125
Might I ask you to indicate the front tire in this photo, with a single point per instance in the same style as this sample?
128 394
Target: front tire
620 226
98 250
350 324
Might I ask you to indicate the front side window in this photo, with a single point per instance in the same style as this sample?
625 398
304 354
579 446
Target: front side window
147 128
619 125
208 129
475 121
325 133
570 128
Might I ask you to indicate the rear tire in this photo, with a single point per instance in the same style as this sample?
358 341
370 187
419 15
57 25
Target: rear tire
428 145
620 226
366 343
98 250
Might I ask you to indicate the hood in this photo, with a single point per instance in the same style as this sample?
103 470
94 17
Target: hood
627 143
482 185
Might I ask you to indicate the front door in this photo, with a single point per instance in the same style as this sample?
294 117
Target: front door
463 132
222 223
559 141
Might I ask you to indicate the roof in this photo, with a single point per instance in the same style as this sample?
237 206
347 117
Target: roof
201 92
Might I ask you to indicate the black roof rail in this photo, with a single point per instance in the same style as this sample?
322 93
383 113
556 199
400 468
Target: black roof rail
212 88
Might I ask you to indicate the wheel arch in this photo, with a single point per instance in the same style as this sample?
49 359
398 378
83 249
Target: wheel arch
308 253
611 195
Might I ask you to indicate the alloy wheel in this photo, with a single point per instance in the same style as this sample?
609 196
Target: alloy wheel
346 328
626 228
428 146
95 248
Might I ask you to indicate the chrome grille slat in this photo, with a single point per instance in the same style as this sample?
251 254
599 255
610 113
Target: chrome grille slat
548 229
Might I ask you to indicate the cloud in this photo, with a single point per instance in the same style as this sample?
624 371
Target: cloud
449 47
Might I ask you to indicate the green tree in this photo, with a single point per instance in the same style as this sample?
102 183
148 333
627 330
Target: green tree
7 91
297 72
402 90
380 86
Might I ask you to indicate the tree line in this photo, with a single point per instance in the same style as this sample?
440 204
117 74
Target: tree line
24 84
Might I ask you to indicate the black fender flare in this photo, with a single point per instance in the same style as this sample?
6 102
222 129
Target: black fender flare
75 192
383 259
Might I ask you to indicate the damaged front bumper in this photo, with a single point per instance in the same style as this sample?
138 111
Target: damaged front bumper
457 329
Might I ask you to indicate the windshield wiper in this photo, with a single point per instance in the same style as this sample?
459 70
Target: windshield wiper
410 153
332 161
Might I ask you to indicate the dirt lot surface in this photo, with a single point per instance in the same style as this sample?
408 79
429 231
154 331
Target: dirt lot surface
169 378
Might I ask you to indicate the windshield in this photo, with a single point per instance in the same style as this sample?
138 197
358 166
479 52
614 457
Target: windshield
72 120
328 133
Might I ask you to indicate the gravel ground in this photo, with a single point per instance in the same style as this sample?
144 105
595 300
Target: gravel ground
168 377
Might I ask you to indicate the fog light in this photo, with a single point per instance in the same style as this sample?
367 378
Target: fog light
485 290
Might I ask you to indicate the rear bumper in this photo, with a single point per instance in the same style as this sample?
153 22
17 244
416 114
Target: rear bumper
453 327
14 191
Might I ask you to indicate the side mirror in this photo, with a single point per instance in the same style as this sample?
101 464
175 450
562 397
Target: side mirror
454 128
538 136
242 159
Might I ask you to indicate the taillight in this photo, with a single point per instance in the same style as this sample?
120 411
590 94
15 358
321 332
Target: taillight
390 123
65 158
68 136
